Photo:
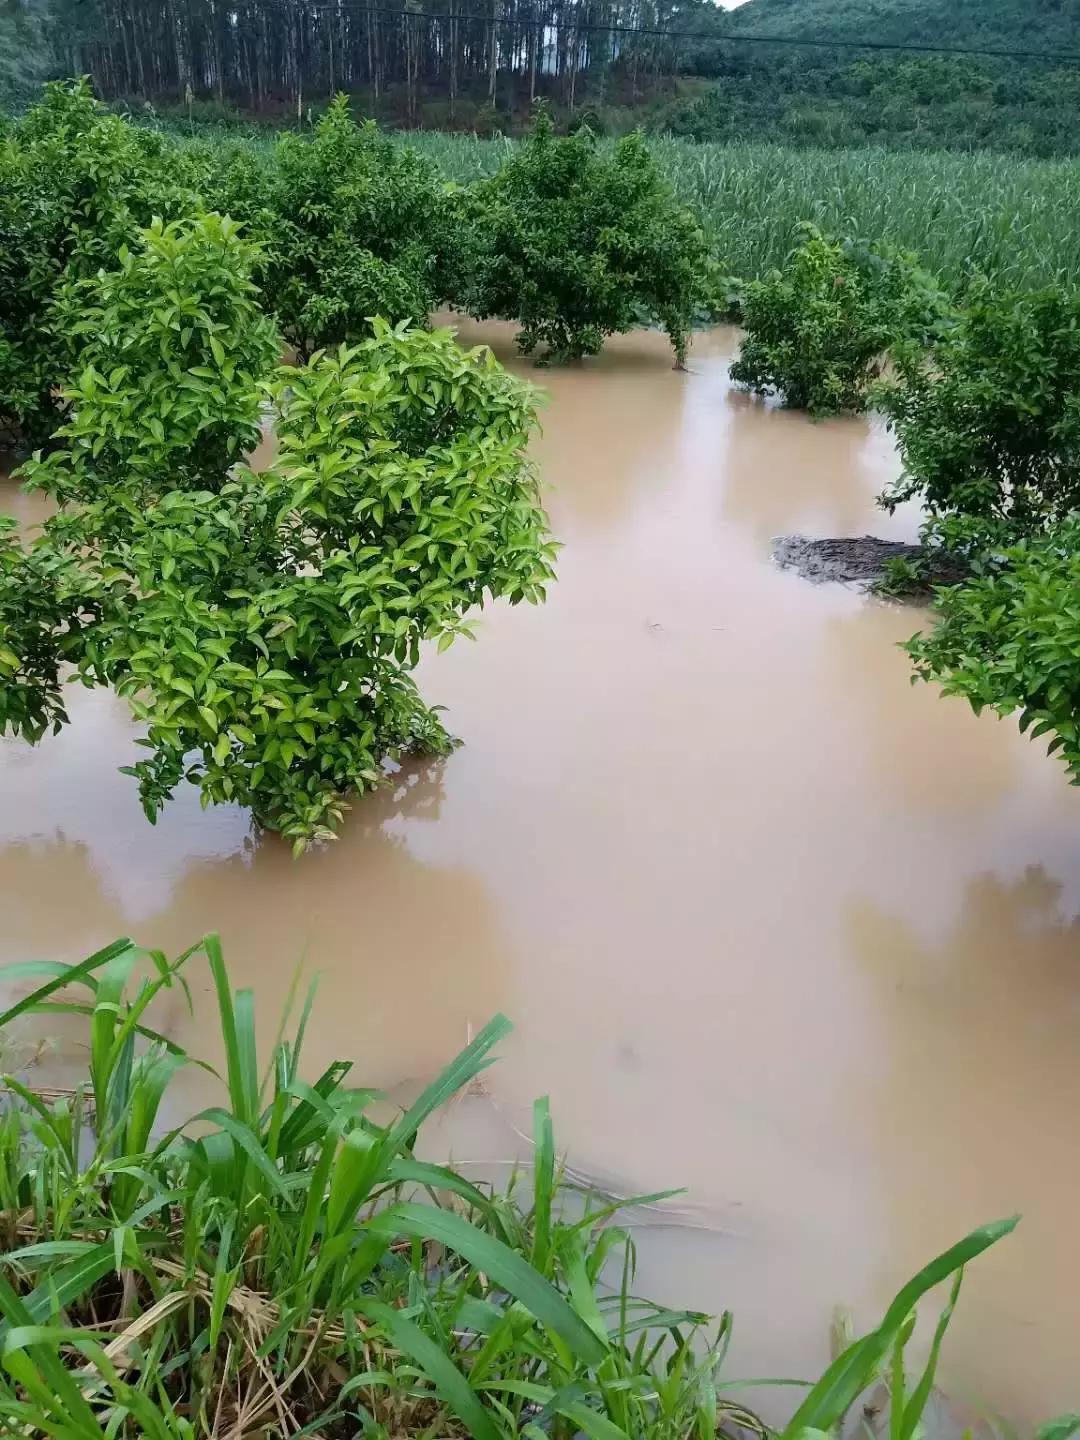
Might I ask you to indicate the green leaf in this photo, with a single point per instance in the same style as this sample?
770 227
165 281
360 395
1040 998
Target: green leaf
506 1268
63 975
450 1384
848 1375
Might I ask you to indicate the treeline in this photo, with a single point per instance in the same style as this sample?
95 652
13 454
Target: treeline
480 64
273 56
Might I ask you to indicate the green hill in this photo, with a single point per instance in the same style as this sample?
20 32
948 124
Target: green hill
997 24
848 96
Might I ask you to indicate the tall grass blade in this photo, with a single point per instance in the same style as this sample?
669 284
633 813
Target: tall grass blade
456 1075
63 975
63 1287
450 1384
589 1422
234 1066
543 1182
507 1269
913 1410
248 1143
44 1361
848 1375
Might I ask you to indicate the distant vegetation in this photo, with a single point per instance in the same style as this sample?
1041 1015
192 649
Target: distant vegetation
667 67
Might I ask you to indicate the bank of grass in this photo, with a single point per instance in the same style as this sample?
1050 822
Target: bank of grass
1013 218
284 1265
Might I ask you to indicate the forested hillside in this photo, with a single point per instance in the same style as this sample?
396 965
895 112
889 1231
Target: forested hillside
815 95
675 65
997 24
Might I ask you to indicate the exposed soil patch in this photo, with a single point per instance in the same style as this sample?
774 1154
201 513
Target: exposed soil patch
860 560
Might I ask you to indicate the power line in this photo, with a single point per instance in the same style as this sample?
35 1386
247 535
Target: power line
722 37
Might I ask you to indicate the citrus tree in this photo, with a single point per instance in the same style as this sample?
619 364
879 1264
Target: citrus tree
264 626
76 182
577 242
355 226
1008 637
818 328
988 421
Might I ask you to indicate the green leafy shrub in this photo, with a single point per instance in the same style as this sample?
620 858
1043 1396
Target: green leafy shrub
988 421
722 296
35 606
172 346
1008 637
577 242
818 328
356 226
283 1264
76 182
264 626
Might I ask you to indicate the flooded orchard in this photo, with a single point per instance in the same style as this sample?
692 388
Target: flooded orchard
772 923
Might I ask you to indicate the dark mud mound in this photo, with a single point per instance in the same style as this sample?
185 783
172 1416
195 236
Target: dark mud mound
863 560
858 560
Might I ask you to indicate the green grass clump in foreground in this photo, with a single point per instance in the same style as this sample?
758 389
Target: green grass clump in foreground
283 1264
1015 219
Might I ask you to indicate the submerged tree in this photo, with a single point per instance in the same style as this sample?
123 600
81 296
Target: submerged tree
76 182
577 243
988 420
818 328
355 226
264 626
1007 637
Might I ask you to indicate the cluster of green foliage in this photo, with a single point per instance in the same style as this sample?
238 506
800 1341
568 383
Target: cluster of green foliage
819 96
262 626
283 1264
817 330
354 226
574 242
76 182
577 243
825 98
1008 636
987 420
988 426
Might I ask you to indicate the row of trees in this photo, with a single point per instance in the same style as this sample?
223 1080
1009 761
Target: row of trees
278 55
981 392
264 626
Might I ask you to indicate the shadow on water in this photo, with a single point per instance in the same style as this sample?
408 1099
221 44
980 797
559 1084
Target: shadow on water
783 474
977 1071
409 954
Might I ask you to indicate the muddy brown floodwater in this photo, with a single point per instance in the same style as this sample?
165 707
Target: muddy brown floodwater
772 923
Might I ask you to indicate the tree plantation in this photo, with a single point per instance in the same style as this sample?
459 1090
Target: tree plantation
263 626
263 486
